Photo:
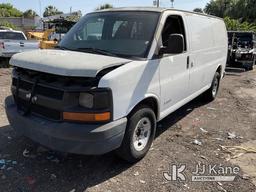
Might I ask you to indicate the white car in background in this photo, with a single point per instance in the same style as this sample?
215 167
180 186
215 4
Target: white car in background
12 42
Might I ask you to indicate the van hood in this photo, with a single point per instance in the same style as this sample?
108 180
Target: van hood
65 63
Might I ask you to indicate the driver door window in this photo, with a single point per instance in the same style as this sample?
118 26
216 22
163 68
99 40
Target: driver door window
174 25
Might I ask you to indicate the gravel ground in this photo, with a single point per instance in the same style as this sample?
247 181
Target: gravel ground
31 168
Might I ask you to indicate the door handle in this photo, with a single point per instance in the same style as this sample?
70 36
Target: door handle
188 60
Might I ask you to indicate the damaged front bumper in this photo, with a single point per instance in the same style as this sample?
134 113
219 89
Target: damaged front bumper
89 139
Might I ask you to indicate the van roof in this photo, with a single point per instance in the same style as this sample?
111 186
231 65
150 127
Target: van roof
154 9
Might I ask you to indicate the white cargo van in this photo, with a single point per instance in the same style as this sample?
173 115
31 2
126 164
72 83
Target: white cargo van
113 77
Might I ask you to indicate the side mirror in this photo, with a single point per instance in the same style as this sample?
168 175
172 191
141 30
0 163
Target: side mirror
175 45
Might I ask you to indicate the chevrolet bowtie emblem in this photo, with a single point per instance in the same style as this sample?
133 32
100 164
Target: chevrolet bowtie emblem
33 99
28 95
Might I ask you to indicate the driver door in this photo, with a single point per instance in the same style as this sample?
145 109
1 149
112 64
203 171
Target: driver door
174 68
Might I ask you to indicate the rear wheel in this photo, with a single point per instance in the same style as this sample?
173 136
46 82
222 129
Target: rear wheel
251 67
139 135
212 93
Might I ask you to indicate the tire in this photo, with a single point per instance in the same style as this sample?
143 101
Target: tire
250 67
133 147
212 93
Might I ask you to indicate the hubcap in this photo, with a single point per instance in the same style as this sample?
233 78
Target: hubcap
215 87
141 134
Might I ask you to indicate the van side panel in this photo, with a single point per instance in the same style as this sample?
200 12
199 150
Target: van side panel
221 41
137 80
208 47
130 84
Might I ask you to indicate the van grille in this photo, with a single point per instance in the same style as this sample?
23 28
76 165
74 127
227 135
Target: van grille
38 110
41 90
50 89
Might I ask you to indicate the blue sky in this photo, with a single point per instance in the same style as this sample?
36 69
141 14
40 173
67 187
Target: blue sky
89 5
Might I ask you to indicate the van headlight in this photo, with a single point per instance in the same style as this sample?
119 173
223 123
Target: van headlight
93 106
86 100
99 99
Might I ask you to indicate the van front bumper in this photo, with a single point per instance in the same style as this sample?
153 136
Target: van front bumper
88 139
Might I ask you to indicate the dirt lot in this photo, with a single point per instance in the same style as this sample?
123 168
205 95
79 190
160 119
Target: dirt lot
28 167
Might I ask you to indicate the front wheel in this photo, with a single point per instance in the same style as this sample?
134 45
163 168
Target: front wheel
139 135
212 93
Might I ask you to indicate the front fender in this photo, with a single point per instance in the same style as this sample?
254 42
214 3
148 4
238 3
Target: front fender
130 84
147 96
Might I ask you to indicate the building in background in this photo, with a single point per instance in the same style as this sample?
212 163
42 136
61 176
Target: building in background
37 23
22 23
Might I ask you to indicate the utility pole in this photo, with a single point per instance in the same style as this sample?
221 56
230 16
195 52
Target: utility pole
40 8
157 3
172 1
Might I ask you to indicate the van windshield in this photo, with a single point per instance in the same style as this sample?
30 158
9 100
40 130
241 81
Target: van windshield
122 34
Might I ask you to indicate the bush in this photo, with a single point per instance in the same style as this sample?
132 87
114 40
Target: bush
236 25
7 24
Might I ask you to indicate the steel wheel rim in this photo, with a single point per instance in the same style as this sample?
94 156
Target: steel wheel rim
215 87
141 134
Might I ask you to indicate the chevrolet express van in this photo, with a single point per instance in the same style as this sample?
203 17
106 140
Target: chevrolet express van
113 77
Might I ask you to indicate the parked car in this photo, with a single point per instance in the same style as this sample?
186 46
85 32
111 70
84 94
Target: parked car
94 95
242 49
12 42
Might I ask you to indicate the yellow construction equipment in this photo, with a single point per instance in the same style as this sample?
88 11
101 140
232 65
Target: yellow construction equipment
54 29
44 38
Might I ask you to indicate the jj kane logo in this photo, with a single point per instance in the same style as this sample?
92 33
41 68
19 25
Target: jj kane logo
202 172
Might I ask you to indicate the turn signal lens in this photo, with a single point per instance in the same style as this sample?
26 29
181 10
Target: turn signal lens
87 117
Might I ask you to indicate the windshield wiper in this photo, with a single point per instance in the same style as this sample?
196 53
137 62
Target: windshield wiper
62 48
95 50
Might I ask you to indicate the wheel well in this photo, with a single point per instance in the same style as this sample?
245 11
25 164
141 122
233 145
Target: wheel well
150 102
219 69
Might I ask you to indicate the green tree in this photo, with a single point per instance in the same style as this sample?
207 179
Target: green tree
244 10
51 10
238 14
105 6
236 25
216 7
199 10
29 14
7 24
7 10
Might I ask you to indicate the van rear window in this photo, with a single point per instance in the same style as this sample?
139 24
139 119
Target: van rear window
12 36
